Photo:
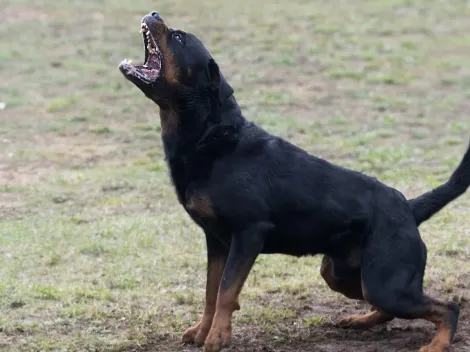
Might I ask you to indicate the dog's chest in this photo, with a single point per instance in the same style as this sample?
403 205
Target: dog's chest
189 184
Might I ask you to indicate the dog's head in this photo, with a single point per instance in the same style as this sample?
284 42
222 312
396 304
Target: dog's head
177 70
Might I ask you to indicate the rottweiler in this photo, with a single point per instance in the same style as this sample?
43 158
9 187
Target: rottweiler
253 193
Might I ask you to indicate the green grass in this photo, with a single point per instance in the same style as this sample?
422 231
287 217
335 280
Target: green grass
95 252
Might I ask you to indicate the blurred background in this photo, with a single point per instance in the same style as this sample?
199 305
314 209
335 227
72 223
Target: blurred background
95 252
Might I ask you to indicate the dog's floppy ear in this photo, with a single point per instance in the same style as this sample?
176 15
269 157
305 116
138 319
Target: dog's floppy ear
218 83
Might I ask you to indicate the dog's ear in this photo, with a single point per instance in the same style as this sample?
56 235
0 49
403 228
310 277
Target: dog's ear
218 83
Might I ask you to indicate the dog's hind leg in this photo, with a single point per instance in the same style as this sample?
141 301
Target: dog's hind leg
392 269
365 321
341 278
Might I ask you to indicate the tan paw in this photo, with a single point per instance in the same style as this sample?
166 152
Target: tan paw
433 347
196 335
356 322
189 335
365 321
218 336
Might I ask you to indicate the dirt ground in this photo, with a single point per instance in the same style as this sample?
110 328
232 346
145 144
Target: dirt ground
396 336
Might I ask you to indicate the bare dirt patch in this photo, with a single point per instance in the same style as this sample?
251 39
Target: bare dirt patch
397 336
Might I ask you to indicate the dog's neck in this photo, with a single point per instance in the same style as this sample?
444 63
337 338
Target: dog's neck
184 127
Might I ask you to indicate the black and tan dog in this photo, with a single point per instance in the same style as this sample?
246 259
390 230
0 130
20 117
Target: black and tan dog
252 193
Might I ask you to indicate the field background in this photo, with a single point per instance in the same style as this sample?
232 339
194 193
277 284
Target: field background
95 252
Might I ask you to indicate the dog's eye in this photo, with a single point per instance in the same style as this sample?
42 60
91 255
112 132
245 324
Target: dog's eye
178 37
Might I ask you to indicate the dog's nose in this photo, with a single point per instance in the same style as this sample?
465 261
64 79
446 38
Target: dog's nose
152 18
155 15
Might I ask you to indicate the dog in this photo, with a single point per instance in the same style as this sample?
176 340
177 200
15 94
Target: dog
253 193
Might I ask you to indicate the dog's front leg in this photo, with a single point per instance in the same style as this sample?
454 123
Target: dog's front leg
245 247
217 253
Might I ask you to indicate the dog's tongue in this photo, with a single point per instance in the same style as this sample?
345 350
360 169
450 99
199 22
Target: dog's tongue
153 62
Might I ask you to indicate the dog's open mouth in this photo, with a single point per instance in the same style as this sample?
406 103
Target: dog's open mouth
150 70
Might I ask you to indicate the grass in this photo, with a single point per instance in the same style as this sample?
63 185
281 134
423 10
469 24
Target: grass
95 252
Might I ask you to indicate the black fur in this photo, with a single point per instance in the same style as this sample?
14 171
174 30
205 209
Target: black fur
426 205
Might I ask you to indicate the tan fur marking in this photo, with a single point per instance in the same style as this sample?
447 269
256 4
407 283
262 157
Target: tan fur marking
170 68
365 321
221 329
201 205
442 340
170 65
198 333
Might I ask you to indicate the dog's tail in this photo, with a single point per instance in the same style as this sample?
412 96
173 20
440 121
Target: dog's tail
429 203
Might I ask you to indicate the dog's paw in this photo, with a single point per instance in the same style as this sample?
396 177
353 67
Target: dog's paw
219 335
434 347
196 335
356 322
365 321
190 334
